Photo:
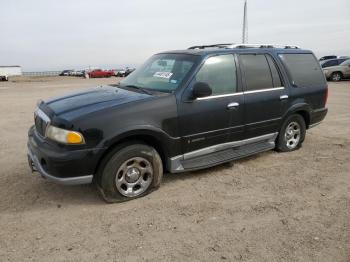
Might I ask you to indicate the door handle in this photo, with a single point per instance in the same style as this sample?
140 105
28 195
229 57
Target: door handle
232 105
283 97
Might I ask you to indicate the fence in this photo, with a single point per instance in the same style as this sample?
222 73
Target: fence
42 73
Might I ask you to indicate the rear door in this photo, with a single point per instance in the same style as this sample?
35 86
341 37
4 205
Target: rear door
209 121
264 94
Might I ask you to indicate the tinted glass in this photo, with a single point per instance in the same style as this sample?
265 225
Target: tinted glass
163 72
347 62
275 75
332 63
220 73
304 70
257 72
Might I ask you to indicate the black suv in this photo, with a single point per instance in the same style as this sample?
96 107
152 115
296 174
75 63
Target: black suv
180 111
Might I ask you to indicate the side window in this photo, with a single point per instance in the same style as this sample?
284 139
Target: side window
276 78
327 64
304 69
346 63
257 72
220 73
333 63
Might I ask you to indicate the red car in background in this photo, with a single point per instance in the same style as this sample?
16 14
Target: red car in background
100 73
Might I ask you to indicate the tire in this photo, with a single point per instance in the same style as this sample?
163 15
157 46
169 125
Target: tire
128 172
292 134
336 76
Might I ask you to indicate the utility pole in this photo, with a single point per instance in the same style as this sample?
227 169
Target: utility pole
245 25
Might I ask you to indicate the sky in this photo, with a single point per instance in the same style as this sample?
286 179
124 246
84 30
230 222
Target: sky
76 34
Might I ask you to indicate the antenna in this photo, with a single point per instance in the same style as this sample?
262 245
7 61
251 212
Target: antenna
245 24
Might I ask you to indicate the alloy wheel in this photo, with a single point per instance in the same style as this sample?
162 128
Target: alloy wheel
134 177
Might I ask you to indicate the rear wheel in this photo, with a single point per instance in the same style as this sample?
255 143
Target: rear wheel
292 134
128 172
336 76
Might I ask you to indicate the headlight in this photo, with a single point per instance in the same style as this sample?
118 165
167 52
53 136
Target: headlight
325 71
64 136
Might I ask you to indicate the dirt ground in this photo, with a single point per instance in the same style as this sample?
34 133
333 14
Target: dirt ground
270 207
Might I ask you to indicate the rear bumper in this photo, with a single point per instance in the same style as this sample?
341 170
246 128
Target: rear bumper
317 117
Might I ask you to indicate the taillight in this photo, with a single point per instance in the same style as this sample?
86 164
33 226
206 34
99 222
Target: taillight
326 96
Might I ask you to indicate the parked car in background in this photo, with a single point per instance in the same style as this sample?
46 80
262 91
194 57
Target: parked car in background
66 72
332 62
120 73
327 57
181 111
100 73
125 72
339 72
128 71
78 73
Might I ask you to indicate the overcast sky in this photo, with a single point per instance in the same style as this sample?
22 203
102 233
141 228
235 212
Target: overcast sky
49 35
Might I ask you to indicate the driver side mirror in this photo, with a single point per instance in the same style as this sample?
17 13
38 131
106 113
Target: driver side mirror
201 89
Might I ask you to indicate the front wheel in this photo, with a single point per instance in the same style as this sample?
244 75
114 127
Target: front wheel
128 172
292 134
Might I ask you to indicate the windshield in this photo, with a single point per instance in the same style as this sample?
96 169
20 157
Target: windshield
162 72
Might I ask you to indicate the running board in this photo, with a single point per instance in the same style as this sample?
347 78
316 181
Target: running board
222 153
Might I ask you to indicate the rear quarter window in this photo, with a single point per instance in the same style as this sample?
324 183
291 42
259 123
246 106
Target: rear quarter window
304 70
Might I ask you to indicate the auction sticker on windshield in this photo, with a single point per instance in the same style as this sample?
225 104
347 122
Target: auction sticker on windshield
166 75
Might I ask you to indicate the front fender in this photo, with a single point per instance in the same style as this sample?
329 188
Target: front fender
169 144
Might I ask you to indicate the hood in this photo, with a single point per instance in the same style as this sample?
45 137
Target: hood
90 100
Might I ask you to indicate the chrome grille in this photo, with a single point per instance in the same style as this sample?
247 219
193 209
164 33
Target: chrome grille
41 121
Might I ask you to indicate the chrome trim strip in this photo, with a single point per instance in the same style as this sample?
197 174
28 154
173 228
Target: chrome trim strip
211 149
219 96
264 90
175 162
42 115
315 124
242 93
64 181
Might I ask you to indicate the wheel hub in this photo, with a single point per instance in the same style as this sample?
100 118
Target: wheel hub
132 175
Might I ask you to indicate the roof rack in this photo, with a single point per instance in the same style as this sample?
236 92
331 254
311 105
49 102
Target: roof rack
264 46
245 46
211 46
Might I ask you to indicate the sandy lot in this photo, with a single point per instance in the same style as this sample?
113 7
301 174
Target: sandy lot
270 207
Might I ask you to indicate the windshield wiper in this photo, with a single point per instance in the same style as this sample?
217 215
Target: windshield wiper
139 88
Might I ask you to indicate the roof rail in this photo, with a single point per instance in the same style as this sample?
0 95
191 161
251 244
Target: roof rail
211 46
245 46
264 46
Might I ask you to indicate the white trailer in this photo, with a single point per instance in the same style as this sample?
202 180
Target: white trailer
7 71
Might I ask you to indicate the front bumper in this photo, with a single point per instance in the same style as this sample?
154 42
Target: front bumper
35 165
59 164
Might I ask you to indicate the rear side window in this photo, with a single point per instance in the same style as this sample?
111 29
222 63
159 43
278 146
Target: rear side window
330 63
257 72
304 70
346 63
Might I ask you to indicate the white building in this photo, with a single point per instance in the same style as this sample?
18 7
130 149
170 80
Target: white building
6 71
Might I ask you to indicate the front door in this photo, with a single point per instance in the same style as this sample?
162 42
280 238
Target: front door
264 94
208 121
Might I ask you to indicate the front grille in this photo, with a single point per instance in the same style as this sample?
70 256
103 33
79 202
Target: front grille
41 121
